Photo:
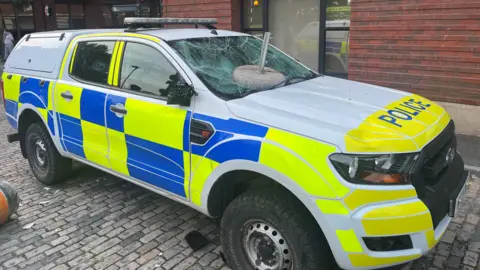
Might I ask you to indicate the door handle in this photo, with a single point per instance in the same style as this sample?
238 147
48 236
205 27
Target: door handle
67 95
9 76
118 109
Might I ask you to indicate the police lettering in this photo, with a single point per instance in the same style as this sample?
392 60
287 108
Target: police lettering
404 111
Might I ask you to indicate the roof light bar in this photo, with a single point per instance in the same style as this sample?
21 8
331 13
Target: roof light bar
133 22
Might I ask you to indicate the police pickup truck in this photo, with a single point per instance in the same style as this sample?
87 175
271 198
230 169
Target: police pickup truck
306 174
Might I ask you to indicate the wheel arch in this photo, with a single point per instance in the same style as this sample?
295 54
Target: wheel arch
28 115
221 173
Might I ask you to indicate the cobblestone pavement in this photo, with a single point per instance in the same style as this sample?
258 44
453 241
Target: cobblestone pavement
97 221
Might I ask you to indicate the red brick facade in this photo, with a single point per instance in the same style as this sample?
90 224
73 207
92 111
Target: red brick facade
423 46
226 11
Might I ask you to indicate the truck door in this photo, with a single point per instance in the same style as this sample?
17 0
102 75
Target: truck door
148 138
80 96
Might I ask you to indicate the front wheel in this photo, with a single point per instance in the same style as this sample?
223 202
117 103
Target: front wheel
269 230
48 166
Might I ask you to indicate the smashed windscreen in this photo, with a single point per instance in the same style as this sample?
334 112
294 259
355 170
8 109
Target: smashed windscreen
214 60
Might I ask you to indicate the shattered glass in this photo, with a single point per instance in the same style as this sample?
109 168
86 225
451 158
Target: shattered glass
213 59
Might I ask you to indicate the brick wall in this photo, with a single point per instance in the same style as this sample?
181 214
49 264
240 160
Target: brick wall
219 9
430 47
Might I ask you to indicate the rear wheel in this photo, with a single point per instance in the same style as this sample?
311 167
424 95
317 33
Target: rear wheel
269 230
48 166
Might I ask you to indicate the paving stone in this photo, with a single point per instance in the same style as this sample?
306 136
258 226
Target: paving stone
454 262
448 237
444 249
474 246
471 258
439 261
473 219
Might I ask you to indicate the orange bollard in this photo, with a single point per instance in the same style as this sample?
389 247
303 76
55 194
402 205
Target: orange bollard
8 201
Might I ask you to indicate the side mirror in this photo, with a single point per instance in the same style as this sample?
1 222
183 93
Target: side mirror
181 95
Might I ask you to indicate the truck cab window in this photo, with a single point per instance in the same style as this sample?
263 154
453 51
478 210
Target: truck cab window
146 70
92 61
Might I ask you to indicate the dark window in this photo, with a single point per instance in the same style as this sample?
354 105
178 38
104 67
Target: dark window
70 16
145 70
92 61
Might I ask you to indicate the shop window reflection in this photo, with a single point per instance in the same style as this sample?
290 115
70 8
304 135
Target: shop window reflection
295 29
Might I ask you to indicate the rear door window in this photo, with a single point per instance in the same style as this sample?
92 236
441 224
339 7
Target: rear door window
91 61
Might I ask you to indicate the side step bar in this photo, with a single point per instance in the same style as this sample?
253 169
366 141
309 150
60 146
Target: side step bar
15 137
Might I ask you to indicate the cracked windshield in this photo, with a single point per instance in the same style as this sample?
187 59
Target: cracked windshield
228 65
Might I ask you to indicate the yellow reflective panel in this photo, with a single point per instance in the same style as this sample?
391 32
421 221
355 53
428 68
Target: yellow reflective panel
395 226
349 241
430 237
51 88
65 58
44 114
73 58
433 131
113 60
365 196
364 260
296 169
397 210
118 151
201 168
68 107
312 151
95 143
11 86
394 128
154 122
332 207
186 169
434 107
118 63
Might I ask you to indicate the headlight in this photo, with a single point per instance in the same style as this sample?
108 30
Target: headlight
390 169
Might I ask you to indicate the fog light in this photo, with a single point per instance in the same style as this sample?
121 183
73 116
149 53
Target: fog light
390 243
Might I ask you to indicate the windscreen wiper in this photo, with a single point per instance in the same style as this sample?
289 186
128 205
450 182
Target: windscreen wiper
289 80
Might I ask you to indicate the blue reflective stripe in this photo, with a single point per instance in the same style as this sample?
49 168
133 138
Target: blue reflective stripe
74 148
11 107
50 122
39 97
114 122
234 125
92 106
12 122
71 128
186 132
155 155
219 136
157 180
236 149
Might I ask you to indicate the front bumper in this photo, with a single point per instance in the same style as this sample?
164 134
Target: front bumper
421 219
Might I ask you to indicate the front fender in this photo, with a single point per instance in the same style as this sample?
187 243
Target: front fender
302 163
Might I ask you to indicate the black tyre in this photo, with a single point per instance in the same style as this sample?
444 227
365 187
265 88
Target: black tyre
48 166
269 229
